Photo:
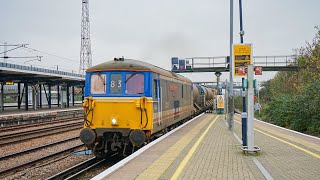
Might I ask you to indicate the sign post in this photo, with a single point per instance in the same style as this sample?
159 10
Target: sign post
242 54
250 148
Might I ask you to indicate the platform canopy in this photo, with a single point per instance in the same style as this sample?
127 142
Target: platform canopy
19 73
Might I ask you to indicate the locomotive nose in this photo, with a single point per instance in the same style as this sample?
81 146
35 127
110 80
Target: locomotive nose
87 136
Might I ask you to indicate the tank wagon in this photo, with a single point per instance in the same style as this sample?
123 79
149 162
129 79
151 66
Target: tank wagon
127 102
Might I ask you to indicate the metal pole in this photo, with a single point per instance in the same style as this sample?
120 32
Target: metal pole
34 104
58 92
82 89
241 23
226 101
40 89
244 119
258 88
68 98
2 97
250 96
244 109
26 96
72 95
49 102
19 94
231 102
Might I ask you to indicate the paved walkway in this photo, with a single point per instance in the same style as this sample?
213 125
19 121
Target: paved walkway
206 149
285 154
39 110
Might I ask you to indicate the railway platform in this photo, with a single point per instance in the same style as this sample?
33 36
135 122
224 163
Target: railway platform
205 149
16 117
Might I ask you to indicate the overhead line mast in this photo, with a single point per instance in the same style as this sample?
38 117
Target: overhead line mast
85 52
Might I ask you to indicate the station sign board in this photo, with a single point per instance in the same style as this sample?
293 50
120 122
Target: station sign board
242 57
220 101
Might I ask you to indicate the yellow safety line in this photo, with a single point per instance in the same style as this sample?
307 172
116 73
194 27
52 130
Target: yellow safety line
298 147
191 152
293 145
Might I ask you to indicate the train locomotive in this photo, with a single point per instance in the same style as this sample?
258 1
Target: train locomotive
128 102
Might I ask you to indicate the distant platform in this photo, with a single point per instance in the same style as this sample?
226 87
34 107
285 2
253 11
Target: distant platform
15 117
206 149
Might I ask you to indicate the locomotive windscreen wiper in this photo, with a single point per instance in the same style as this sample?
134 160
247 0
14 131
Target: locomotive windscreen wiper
101 78
134 73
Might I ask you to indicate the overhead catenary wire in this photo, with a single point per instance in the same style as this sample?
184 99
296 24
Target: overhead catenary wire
50 54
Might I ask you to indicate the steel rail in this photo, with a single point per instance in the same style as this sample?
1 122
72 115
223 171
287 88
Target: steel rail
24 133
37 148
38 134
36 124
29 163
77 169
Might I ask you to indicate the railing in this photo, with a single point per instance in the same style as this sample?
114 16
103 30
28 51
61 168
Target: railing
222 62
214 84
36 69
275 61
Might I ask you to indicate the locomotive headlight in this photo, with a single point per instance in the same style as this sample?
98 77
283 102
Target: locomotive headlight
114 121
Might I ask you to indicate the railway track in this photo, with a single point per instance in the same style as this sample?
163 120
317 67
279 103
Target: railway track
24 126
86 167
26 135
15 154
77 169
37 160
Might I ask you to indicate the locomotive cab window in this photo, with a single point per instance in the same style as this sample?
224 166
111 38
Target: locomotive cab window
134 83
115 83
98 84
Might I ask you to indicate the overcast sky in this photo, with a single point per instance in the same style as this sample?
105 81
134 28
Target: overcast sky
154 31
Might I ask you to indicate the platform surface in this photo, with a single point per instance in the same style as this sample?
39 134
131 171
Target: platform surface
206 149
18 112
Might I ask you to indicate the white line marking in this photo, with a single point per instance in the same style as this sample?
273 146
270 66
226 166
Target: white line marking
123 162
255 160
237 137
262 169
40 112
286 129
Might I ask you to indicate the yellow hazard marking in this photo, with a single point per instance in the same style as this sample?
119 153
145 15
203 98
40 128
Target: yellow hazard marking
158 167
191 152
288 137
298 147
293 145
